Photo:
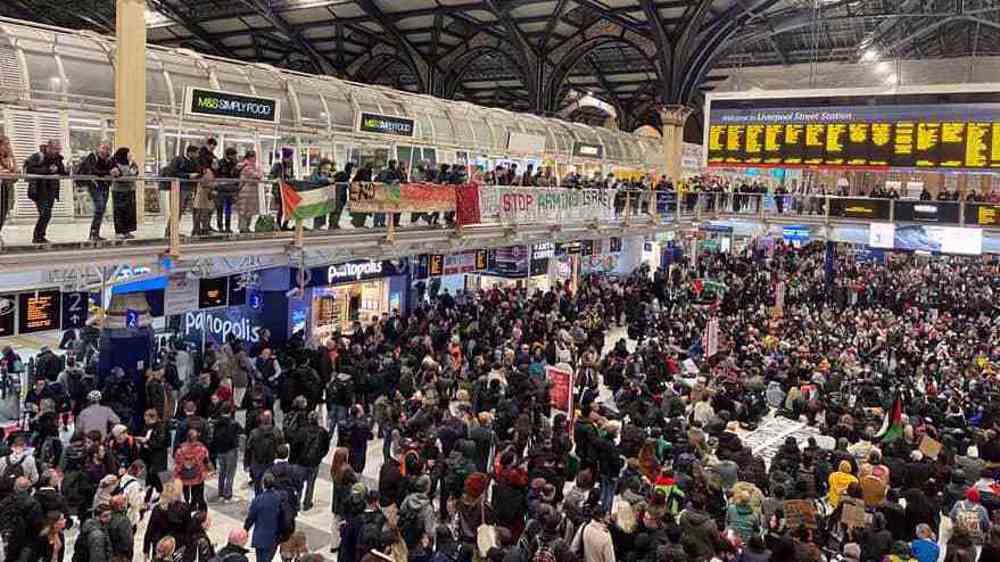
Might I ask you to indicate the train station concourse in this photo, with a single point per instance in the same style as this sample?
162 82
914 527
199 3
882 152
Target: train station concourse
499 281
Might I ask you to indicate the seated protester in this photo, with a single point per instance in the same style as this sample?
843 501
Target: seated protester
925 548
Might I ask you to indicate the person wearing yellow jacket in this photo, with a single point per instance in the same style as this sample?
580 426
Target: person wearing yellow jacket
839 482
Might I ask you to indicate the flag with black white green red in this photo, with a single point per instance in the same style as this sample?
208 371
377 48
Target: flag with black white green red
892 425
302 199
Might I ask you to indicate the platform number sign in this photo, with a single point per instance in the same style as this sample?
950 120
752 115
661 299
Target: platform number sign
76 307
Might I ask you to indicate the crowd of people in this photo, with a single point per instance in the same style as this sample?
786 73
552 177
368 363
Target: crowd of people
652 461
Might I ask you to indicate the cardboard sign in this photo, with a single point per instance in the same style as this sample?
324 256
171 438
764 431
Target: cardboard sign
852 512
800 513
930 447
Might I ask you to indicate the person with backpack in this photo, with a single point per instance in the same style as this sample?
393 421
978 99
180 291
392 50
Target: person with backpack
192 467
969 516
21 518
200 547
94 542
267 519
235 549
170 517
261 448
416 521
309 446
287 478
96 416
18 463
592 542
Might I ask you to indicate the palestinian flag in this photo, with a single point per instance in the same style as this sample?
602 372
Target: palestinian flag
892 427
306 199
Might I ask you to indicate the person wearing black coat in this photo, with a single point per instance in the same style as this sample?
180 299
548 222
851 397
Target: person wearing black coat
226 191
99 164
44 192
235 550
309 446
184 167
875 541
154 444
199 547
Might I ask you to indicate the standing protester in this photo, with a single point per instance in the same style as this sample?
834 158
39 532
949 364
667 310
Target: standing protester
265 518
248 200
186 168
225 448
123 193
282 171
226 190
310 444
8 167
98 163
48 161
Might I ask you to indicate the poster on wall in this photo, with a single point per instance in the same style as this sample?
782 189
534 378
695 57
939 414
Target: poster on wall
8 306
561 390
181 294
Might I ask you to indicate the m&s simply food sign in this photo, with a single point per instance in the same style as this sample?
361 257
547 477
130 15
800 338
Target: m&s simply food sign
215 103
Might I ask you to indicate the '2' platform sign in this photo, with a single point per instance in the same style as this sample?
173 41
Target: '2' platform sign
213 103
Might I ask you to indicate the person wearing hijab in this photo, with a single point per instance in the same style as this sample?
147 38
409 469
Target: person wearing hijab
123 193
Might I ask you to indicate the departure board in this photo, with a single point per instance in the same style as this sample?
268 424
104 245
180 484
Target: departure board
910 130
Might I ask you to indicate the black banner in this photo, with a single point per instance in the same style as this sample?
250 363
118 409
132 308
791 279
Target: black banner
421 265
860 208
615 245
588 150
927 211
39 311
386 125
8 305
539 266
232 106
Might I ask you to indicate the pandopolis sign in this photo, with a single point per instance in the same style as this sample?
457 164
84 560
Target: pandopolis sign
532 204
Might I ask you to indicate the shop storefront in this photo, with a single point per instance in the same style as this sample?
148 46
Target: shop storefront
339 297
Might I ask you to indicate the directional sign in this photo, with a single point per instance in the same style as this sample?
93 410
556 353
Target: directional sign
75 308
254 300
131 318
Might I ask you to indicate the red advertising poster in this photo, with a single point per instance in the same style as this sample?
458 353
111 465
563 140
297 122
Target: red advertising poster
561 393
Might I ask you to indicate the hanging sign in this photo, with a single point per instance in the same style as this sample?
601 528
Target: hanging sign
588 150
386 125
38 311
214 103
181 294
75 308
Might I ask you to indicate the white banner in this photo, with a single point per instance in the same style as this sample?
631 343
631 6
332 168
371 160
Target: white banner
779 298
532 204
711 337
181 295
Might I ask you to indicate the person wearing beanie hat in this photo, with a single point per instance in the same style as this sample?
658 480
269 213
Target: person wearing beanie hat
970 516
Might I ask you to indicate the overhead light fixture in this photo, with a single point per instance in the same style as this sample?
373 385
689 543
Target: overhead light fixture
870 55
883 67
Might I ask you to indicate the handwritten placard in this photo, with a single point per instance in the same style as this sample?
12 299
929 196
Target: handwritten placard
800 513
852 512
930 447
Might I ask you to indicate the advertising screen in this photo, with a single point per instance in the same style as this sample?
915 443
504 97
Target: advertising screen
8 309
881 235
941 239
919 130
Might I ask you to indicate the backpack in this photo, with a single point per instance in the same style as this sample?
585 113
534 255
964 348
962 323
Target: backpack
545 553
81 551
265 223
968 519
410 525
265 447
11 472
286 517
313 447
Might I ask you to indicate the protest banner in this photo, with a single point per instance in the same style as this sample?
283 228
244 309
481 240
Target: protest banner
561 391
364 197
525 205
852 512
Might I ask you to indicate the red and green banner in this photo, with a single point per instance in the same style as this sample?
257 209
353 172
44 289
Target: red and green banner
401 198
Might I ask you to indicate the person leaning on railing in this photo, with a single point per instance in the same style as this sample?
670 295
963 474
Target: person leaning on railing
248 200
123 193
97 163
184 167
48 161
8 166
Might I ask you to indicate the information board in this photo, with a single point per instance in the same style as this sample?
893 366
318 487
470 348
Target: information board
39 311
920 130
75 309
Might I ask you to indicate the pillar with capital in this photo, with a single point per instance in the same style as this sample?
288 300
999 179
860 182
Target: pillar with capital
673 118
130 84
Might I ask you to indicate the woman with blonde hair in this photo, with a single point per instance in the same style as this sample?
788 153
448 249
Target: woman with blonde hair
344 479
165 550
8 167
170 518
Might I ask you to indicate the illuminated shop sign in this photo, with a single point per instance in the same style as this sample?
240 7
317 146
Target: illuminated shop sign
386 125
233 106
